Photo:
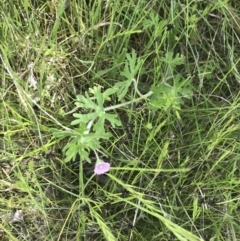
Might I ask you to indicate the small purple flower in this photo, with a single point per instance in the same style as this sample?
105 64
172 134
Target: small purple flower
101 167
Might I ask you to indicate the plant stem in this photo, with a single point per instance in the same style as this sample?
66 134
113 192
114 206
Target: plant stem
129 102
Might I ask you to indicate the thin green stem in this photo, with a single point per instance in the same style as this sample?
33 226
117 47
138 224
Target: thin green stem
129 102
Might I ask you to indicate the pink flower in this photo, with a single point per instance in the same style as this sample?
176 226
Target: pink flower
101 168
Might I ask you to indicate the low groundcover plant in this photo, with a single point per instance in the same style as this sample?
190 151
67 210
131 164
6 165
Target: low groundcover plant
91 113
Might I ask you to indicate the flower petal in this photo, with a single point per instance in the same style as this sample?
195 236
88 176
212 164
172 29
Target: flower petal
101 168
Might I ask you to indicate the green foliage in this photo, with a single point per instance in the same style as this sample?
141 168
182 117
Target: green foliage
172 61
171 96
169 179
131 67
99 115
82 144
151 21
87 137
94 106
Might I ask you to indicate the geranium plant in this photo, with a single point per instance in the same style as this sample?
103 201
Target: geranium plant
93 110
